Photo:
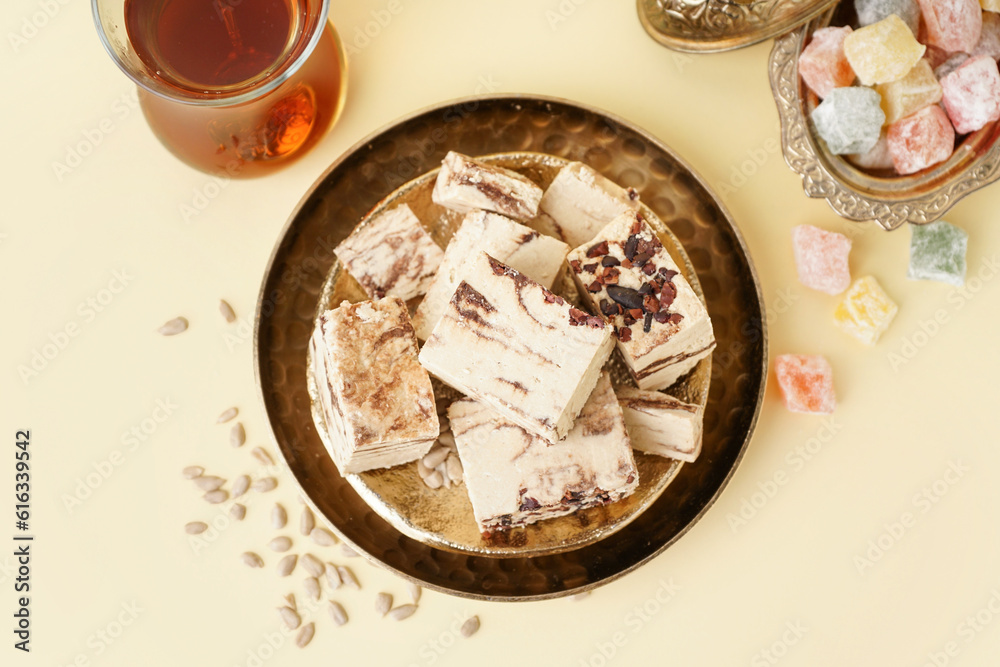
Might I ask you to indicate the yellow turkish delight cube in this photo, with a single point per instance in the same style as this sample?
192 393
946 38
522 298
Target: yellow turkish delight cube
883 52
865 311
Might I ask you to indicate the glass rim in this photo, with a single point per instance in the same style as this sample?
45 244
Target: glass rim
244 93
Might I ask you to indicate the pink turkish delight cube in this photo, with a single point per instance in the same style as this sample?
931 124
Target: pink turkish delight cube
972 94
823 65
806 383
952 25
921 140
821 258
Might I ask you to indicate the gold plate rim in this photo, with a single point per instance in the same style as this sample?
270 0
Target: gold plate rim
523 579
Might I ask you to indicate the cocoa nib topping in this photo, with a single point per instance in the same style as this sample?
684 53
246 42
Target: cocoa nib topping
624 334
648 322
626 296
637 225
575 265
631 247
590 268
598 249
633 194
578 318
610 260
529 504
610 309
610 276
552 298
594 286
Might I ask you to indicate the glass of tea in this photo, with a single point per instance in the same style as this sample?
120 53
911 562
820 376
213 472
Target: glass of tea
233 86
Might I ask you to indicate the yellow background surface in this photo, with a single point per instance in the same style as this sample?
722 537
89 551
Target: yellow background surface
114 579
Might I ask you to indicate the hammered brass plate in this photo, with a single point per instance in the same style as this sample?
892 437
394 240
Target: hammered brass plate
723 25
443 517
374 168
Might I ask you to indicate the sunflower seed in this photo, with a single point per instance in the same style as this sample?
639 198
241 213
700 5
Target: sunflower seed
173 327
311 584
442 470
305 635
580 596
447 439
237 435
455 470
348 552
262 456
227 415
383 603
423 470
227 311
216 497
250 559
195 527
191 472
307 521
279 517
403 611
435 456
337 612
333 579
347 576
265 484
434 480
415 592
240 485
287 565
208 482
313 565
290 599
470 627
280 544
238 511
322 537
290 617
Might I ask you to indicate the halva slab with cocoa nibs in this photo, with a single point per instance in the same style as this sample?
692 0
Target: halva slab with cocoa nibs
662 328
464 184
517 347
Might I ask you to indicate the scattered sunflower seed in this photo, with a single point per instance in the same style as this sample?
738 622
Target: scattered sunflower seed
307 521
208 482
403 611
287 565
290 599
216 497
333 579
415 592
348 552
455 470
250 559
305 635
470 627
383 603
322 537
279 517
227 415
337 612
240 485
311 585
435 456
265 484
443 471
195 527
227 311
280 544
262 456
290 617
238 511
447 439
191 472
313 565
434 480
173 327
423 470
237 435
347 576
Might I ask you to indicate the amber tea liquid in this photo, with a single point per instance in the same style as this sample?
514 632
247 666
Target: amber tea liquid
209 51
